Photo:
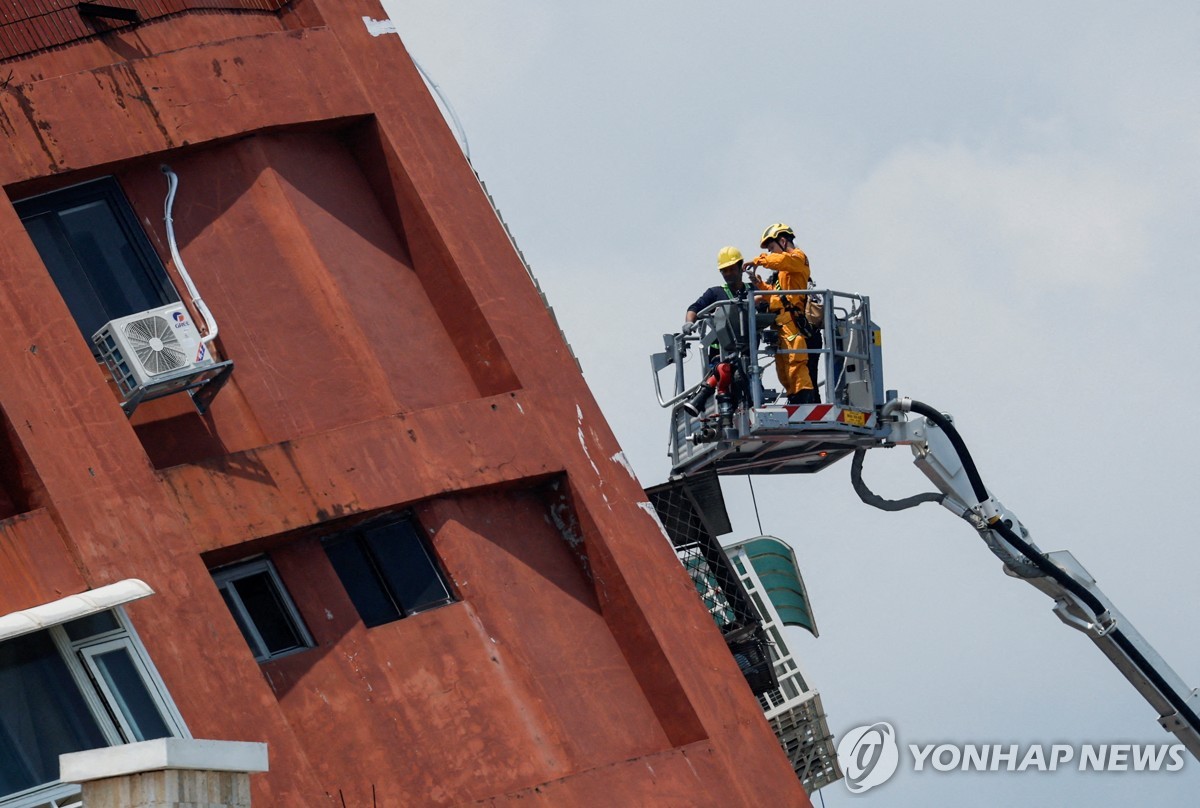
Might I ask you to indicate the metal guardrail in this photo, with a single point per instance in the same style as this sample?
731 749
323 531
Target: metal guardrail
737 328
692 512
746 428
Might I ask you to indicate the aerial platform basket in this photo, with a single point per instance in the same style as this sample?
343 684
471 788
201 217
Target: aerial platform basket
748 429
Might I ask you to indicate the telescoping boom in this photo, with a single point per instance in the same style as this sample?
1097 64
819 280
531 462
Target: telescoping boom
746 428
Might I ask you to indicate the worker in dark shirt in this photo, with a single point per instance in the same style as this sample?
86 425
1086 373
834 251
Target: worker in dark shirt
732 267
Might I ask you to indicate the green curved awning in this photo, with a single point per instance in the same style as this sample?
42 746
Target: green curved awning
775 563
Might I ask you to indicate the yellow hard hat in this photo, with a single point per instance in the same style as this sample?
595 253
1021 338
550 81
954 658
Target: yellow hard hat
728 256
775 231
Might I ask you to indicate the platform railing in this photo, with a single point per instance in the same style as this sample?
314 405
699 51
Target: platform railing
744 331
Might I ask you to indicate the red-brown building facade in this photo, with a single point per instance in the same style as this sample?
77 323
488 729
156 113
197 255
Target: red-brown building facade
400 395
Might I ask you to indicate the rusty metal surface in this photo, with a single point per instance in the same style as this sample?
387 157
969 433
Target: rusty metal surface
30 26
37 563
123 111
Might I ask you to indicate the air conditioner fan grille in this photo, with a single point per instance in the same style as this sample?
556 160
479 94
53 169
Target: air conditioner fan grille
155 344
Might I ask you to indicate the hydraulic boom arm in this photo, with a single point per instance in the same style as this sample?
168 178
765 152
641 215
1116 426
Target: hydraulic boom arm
942 456
747 431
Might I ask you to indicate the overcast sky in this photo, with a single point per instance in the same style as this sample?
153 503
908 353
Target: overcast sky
1015 187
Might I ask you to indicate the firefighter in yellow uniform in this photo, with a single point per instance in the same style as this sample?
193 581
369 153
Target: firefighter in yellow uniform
792 272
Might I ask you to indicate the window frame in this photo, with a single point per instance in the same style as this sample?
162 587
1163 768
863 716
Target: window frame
93 692
225 577
358 535
115 699
105 189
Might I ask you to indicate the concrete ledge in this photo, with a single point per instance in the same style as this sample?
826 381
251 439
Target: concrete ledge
164 753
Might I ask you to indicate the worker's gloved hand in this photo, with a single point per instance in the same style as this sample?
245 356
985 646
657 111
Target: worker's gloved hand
687 328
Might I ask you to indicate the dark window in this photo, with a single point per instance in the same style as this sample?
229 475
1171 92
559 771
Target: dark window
83 685
97 253
265 614
388 571
45 715
90 626
118 677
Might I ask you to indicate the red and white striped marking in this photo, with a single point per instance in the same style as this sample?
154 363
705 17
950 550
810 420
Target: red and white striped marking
828 413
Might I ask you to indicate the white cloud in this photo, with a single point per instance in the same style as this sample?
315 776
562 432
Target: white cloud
1030 222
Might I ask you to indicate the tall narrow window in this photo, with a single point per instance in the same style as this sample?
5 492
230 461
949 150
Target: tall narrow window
82 685
388 571
262 609
96 252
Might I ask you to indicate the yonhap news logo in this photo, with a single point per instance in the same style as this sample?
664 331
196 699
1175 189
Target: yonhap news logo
870 755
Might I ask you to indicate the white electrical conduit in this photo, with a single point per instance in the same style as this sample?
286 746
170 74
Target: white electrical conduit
210 324
458 127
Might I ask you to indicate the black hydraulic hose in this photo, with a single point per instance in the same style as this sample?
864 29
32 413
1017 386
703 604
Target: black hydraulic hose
1146 669
1124 643
981 493
871 498
1049 567
947 426
1052 570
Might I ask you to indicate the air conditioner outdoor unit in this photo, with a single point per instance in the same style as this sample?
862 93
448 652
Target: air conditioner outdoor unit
154 353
